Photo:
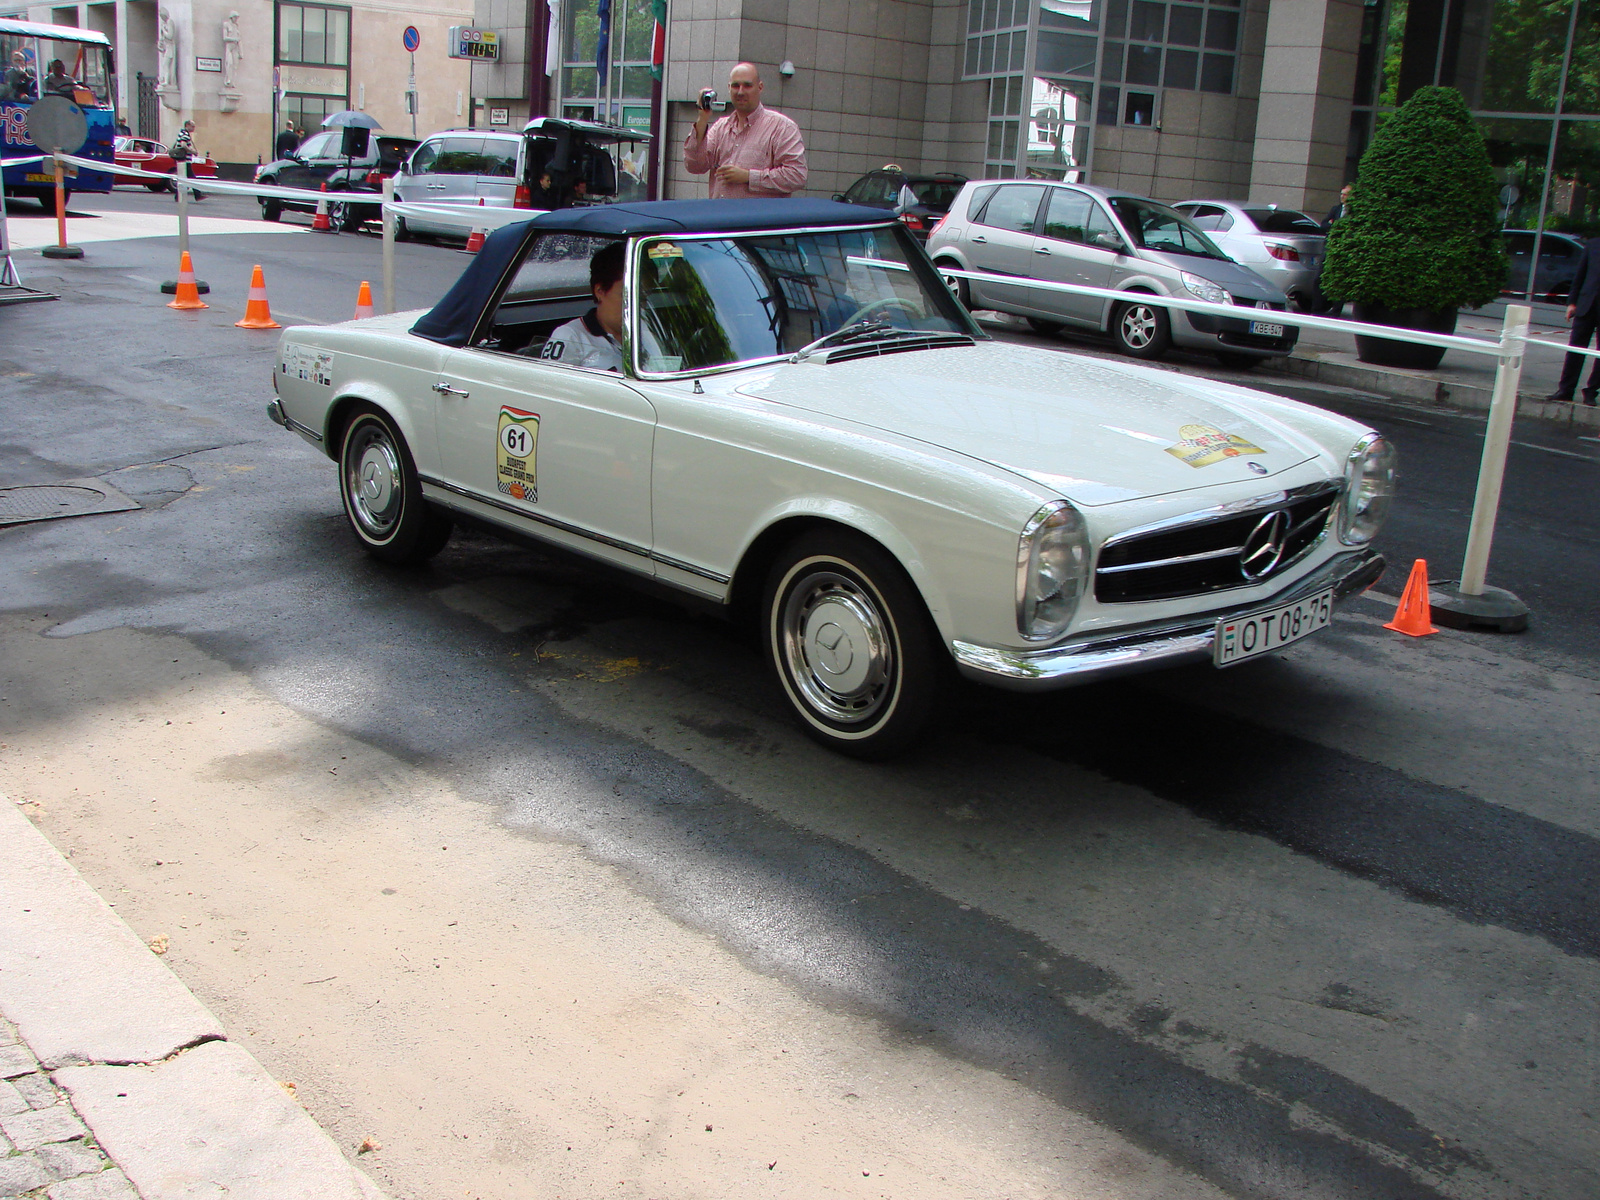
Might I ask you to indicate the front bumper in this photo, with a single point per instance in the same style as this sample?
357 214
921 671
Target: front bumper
1185 640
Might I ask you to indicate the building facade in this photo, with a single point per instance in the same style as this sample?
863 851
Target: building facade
240 68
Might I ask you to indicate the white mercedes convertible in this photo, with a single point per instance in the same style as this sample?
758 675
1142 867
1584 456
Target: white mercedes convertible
809 429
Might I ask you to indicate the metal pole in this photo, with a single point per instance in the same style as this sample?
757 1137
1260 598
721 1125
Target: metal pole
180 181
1496 439
1550 154
388 245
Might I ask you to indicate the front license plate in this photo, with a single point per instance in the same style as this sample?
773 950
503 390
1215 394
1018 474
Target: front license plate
1239 638
1266 329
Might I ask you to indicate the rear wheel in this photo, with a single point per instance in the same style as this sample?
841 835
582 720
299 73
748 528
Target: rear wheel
958 287
158 185
401 232
854 649
271 207
1141 329
344 216
382 495
1046 328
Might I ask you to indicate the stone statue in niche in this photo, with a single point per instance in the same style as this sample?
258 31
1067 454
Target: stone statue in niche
230 49
167 61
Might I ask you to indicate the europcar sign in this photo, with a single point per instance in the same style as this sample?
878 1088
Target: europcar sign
480 45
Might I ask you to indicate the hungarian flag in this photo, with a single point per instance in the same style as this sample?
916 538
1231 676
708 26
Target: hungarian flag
602 50
658 44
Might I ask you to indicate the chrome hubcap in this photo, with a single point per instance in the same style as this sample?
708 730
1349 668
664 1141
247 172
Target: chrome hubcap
373 481
1138 326
836 647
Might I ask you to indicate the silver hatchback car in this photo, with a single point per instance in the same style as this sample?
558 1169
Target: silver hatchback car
1073 233
1280 244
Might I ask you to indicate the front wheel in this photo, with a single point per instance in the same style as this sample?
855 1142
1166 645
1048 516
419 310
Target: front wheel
344 216
853 646
402 232
958 287
382 495
158 185
271 208
1141 329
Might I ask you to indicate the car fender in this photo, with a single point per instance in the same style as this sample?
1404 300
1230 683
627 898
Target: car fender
868 523
1147 284
369 391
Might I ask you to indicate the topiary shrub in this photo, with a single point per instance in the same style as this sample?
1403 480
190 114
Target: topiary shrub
1419 231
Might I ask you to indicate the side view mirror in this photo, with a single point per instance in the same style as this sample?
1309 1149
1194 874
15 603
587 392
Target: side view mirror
1107 241
839 196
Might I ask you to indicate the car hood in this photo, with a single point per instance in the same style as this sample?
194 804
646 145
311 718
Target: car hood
1091 430
1239 280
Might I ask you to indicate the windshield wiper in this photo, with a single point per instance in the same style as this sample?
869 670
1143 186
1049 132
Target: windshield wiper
866 329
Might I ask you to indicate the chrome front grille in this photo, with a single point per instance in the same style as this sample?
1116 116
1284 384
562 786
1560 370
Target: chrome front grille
1214 551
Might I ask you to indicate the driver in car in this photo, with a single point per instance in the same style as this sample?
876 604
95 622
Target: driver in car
594 340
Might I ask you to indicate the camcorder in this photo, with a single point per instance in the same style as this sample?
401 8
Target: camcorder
708 100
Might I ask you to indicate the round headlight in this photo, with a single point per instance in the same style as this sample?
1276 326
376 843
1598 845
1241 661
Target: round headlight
1052 567
1369 476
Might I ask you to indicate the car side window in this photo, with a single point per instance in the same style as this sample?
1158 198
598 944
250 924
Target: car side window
1519 243
550 288
459 156
499 158
1013 207
1209 217
980 197
320 145
1068 215
860 191
422 159
1099 222
1551 247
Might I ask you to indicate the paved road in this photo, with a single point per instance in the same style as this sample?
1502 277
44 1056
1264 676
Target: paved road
1322 926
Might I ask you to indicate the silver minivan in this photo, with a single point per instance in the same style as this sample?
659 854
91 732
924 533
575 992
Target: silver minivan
1010 231
555 162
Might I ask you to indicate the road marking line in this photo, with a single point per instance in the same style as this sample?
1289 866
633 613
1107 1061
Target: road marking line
1588 458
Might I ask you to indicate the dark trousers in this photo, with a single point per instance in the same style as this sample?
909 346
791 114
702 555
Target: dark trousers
1583 328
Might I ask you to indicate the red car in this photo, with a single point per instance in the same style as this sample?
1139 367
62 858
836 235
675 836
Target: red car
145 154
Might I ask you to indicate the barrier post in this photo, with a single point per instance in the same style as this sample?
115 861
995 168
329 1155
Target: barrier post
388 245
1473 602
61 249
181 173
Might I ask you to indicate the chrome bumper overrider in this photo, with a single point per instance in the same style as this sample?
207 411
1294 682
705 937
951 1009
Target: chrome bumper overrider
279 417
1187 639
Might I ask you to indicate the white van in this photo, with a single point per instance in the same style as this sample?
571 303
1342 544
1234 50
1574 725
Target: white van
584 162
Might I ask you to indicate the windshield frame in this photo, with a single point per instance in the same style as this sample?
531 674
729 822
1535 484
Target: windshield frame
917 263
1136 239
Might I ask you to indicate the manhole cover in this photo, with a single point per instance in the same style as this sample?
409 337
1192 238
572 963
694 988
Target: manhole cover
70 498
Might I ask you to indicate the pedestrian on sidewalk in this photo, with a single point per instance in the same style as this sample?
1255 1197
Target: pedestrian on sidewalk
1328 307
287 142
753 152
1584 313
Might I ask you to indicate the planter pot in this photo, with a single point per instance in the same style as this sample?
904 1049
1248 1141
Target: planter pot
1386 353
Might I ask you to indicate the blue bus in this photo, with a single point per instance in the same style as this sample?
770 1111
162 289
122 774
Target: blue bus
28 52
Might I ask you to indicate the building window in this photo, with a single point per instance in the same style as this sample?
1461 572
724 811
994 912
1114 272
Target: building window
314 35
1191 47
997 37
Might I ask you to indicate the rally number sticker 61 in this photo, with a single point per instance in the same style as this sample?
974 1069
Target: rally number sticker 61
1239 638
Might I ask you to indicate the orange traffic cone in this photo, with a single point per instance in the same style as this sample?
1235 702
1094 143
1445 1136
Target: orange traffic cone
363 302
320 222
475 241
1413 617
188 294
257 312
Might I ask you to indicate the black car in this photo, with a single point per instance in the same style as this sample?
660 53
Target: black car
320 160
882 189
1559 256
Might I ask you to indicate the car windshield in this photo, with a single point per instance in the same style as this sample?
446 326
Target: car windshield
1281 220
937 194
714 302
1157 227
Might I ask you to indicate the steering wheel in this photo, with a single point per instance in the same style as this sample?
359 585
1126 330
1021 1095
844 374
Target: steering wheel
911 307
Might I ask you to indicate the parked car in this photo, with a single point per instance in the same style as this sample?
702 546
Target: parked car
586 163
146 154
884 188
1559 256
1282 245
319 160
1100 237
810 432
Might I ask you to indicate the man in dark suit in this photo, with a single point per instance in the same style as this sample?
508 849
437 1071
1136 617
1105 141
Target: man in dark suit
1337 211
1584 313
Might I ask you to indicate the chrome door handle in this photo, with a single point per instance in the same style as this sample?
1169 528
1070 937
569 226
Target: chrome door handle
444 389
437 187
1041 249
979 239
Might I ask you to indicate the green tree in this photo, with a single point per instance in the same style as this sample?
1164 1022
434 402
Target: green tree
1419 231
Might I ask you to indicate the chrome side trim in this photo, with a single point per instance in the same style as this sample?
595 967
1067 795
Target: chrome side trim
1232 509
1187 639
279 417
1172 562
575 530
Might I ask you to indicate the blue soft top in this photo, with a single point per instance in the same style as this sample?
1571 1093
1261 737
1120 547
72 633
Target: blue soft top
451 321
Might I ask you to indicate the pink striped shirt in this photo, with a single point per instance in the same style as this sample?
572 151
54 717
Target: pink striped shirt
768 145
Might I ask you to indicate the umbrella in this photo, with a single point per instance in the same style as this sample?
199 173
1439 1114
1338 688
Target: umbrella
350 116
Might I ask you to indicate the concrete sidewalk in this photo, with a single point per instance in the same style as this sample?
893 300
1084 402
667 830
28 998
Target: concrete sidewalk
1462 380
115 1082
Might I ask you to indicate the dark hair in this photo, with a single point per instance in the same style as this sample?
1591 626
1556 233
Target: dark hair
605 268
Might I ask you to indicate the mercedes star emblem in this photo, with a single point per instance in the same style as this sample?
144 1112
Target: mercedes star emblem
1263 549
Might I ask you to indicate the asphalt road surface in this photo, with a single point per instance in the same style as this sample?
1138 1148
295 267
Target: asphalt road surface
526 875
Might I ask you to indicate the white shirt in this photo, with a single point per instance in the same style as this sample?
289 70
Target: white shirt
583 342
